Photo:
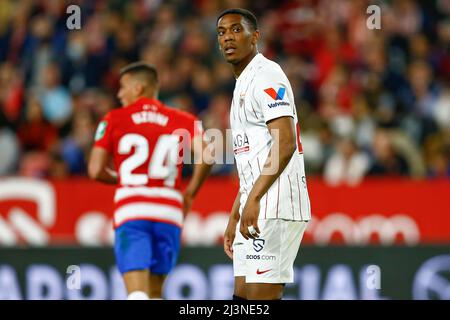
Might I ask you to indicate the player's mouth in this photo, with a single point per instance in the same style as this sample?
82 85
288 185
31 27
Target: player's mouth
229 50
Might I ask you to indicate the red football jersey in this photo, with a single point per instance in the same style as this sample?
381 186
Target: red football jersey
147 140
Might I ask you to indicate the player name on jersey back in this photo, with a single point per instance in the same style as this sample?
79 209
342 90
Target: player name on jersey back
150 117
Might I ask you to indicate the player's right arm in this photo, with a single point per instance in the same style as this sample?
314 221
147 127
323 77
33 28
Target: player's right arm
98 166
230 231
98 161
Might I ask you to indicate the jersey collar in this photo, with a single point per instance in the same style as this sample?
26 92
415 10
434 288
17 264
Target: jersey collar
250 65
145 100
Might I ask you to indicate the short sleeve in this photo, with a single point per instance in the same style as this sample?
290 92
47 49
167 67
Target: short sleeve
103 134
271 95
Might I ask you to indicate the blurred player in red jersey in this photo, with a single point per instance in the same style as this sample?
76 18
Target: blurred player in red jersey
145 139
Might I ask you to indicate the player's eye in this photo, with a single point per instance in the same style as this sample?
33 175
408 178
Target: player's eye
220 33
236 29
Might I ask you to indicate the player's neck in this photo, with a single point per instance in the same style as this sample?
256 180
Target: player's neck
240 66
144 96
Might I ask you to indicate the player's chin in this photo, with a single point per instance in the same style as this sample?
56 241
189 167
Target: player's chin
232 59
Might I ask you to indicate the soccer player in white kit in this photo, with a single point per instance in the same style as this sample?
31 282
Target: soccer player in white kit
272 208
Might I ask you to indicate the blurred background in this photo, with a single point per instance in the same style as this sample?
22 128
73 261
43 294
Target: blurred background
374 112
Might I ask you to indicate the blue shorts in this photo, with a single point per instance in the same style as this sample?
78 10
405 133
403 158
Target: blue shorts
147 245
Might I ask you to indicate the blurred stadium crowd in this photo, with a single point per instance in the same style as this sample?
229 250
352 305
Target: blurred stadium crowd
371 102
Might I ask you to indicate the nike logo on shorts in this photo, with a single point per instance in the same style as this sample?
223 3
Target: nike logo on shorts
263 271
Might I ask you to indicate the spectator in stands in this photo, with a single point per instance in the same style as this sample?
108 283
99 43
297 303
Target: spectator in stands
386 161
76 146
9 147
437 155
35 133
345 76
55 98
347 165
11 91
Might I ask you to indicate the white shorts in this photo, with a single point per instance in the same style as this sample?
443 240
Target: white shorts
269 258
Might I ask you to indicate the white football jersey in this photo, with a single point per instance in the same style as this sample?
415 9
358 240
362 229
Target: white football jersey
263 93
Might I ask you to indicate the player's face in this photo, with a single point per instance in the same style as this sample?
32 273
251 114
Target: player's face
236 38
129 90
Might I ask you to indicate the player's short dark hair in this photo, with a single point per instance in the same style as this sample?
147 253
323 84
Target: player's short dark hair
248 16
142 69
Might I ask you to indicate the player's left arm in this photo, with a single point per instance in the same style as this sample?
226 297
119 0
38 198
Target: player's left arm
98 166
272 96
283 147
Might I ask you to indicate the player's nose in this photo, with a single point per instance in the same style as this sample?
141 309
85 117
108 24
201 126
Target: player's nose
228 36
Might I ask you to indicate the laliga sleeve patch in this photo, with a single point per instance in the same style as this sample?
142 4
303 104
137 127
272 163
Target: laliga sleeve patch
101 129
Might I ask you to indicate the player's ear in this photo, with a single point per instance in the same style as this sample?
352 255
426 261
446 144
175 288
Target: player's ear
255 37
138 89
